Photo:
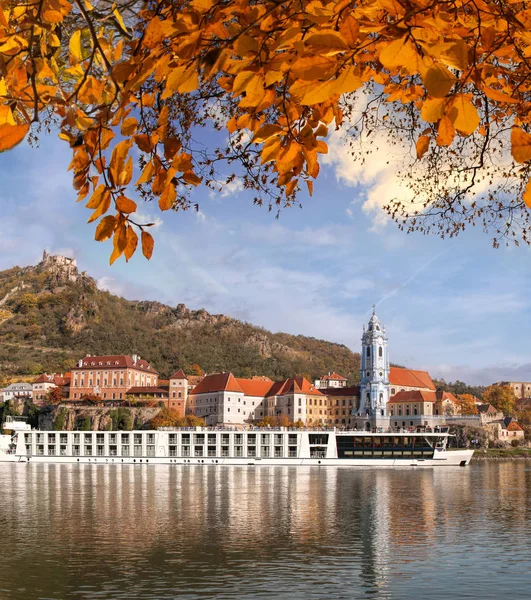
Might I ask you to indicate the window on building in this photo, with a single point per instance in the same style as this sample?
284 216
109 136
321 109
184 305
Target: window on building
380 352
368 351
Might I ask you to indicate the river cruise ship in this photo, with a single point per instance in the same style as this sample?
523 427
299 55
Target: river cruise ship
205 446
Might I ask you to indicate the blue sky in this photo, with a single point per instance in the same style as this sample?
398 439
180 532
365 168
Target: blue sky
455 307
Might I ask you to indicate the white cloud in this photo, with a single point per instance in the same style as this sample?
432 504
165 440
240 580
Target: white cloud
143 218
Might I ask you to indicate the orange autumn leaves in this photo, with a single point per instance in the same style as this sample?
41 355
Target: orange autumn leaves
129 83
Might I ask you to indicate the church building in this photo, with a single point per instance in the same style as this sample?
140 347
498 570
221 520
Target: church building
374 377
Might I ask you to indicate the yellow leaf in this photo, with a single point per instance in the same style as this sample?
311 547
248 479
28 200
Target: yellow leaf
116 253
265 132
245 44
464 114
147 173
454 54
290 187
75 46
102 208
254 91
97 197
132 242
310 68
527 195
118 17
182 162
311 92
181 79
520 145
438 80
398 53
125 205
309 183
241 80
129 126
118 157
168 197
191 178
11 135
105 228
120 237
446 132
347 82
433 109
147 244
127 173
326 43
270 150
6 116
423 143
499 96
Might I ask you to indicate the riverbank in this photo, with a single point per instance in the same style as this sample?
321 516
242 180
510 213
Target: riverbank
503 454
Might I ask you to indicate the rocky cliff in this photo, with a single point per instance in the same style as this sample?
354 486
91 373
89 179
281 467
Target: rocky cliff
52 314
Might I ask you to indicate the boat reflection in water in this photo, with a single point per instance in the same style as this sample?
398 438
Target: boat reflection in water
166 531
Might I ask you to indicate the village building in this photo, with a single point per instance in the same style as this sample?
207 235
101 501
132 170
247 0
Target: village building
332 380
506 430
224 399
298 400
111 377
17 391
406 380
342 405
178 386
45 382
418 407
522 389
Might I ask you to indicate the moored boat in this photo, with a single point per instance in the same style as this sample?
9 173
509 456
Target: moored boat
231 446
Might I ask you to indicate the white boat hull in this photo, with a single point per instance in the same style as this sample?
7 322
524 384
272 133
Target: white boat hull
452 458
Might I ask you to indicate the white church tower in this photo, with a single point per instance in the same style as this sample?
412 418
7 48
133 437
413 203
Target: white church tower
374 371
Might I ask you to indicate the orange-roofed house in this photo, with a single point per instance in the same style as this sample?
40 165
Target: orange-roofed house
419 407
222 399
45 382
110 377
405 380
332 380
298 400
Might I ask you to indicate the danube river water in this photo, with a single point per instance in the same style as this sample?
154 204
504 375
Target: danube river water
160 532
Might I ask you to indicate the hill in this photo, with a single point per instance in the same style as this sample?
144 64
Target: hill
51 315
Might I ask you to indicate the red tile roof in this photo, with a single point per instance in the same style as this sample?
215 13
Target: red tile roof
422 396
254 387
294 385
513 426
333 376
179 375
54 378
414 396
226 382
119 361
410 378
219 382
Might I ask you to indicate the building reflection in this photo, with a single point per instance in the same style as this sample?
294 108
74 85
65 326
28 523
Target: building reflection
371 526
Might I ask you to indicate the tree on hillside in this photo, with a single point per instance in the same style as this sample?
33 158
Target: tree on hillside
466 405
501 397
458 388
448 82
169 417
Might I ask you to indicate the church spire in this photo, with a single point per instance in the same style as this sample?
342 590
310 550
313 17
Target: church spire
374 372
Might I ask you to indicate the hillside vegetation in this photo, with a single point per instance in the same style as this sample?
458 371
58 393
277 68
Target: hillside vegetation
51 317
